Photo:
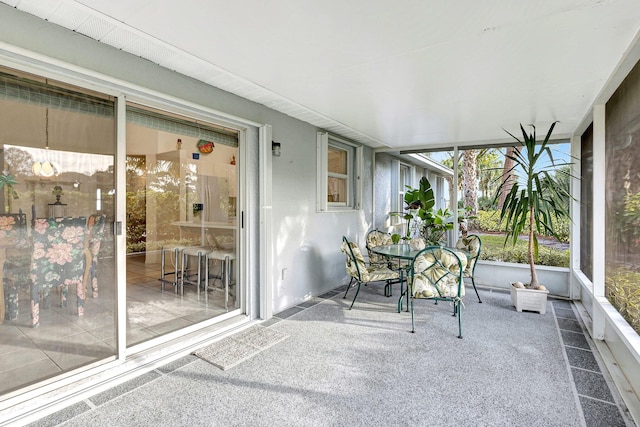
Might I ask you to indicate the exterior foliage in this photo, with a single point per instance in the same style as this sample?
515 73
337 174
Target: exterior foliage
489 221
422 218
621 289
534 201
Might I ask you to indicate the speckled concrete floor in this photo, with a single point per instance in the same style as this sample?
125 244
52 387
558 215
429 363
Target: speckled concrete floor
364 367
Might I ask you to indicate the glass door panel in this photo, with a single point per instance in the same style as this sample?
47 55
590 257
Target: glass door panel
181 205
57 302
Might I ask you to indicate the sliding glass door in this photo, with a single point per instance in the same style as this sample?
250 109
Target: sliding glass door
57 264
182 227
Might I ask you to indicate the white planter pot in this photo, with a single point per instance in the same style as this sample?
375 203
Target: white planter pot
529 299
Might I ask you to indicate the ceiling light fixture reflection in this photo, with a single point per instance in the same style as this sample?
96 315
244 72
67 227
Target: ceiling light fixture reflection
45 168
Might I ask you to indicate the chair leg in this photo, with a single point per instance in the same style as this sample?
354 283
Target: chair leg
403 292
35 306
162 272
81 294
348 287
459 310
184 270
355 296
227 278
413 325
64 295
11 299
206 279
473 282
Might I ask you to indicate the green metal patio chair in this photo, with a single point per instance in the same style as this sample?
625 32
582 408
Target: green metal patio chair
473 246
436 273
375 238
358 270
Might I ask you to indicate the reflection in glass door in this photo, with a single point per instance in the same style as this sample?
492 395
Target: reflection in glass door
181 220
57 264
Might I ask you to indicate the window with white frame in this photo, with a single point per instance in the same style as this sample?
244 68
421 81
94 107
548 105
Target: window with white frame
404 180
339 164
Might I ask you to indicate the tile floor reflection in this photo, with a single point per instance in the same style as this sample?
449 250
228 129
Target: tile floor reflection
64 341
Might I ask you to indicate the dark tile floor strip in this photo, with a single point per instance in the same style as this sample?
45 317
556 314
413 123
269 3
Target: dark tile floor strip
595 397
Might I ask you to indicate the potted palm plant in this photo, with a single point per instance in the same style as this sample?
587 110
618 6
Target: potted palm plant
534 200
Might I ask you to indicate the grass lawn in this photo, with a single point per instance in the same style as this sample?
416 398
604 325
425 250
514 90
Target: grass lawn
493 249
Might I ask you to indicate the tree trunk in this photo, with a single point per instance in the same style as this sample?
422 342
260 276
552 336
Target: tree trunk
506 176
470 180
534 276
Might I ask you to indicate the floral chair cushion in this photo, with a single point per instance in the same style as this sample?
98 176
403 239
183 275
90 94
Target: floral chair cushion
358 269
58 260
472 245
378 238
436 274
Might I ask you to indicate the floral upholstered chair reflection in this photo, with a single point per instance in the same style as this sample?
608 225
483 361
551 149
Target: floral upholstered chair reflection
14 254
58 260
95 234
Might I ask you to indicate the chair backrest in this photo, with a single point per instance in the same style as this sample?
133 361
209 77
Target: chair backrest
356 266
375 238
436 272
13 230
473 245
58 250
95 232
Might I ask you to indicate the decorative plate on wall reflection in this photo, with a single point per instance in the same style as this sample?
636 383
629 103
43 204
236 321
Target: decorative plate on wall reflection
205 147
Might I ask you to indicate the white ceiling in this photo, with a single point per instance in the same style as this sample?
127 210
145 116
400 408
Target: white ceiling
396 73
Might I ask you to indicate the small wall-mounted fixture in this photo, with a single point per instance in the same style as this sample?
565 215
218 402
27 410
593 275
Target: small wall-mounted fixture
275 148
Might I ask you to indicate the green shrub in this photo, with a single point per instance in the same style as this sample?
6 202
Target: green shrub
487 204
489 221
493 249
622 289
518 254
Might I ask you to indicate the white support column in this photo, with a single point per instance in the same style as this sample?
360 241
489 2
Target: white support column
454 202
599 216
266 224
574 212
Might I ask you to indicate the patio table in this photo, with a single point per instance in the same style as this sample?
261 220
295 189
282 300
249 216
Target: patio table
401 252
404 252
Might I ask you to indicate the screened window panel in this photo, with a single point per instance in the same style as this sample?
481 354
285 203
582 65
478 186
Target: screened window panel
622 202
